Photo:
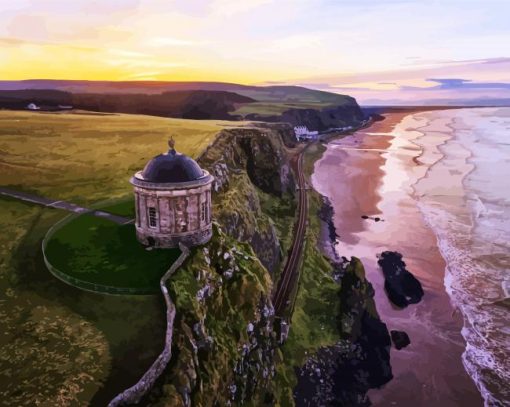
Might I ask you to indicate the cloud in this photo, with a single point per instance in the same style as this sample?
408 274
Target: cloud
19 42
12 41
233 7
455 83
127 53
171 42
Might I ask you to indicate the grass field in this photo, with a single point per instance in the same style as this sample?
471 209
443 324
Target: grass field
98 251
59 344
276 108
86 157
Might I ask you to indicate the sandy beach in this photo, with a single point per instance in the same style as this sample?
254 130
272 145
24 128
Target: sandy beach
372 173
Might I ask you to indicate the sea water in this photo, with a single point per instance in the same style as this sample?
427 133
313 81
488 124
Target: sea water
464 197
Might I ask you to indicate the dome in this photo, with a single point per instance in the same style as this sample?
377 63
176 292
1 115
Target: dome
172 167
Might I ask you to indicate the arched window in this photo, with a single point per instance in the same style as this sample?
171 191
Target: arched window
153 219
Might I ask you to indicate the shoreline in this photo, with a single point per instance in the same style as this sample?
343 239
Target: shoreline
364 160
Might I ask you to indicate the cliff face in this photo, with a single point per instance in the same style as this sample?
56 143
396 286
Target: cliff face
224 344
246 162
348 114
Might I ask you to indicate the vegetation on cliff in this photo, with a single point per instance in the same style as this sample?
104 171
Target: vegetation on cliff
222 300
337 347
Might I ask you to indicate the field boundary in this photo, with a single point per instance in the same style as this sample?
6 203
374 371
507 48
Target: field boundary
82 284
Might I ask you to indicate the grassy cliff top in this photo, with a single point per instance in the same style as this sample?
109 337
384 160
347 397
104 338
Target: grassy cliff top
87 157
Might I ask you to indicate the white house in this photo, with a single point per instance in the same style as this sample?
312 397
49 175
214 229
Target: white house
33 106
302 133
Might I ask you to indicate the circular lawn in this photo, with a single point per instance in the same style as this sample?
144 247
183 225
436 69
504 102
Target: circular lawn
97 254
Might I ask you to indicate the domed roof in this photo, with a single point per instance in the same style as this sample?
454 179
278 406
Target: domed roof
172 167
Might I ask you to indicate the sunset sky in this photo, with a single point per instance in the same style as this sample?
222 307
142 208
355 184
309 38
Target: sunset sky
372 49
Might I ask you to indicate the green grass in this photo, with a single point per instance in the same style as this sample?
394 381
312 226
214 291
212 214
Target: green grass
58 344
99 251
294 94
86 158
223 314
122 207
275 108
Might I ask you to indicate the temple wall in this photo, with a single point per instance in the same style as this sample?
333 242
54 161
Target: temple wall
181 215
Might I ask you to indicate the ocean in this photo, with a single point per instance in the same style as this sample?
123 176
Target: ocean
470 215
439 184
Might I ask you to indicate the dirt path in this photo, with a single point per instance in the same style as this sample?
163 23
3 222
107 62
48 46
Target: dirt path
64 205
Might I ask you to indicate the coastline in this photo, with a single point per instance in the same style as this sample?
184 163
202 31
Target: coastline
373 172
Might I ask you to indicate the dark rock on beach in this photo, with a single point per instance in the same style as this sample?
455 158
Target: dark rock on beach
400 339
375 218
342 374
326 215
400 285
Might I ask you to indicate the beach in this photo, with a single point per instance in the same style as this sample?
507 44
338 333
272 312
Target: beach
408 174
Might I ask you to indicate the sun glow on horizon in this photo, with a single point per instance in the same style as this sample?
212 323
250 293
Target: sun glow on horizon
374 46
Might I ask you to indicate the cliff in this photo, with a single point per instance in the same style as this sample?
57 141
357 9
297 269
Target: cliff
320 119
249 165
224 339
227 349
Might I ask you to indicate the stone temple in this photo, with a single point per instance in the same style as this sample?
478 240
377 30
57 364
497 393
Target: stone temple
172 201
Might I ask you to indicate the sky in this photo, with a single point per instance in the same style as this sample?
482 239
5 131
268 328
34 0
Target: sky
376 50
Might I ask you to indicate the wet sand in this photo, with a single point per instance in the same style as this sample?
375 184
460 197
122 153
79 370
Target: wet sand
372 173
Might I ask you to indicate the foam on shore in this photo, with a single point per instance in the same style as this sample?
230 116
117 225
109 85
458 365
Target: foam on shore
471 219
439 183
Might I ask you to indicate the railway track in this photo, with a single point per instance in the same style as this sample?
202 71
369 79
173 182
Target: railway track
290 274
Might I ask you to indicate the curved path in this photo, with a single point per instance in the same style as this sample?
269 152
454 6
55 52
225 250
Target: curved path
134 394
66 206
290 274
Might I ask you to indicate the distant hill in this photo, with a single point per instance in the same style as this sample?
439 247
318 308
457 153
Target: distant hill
296 105
180 104
259 93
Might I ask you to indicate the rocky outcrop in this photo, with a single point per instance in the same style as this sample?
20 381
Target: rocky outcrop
255 368
260 152
342 374
222 350
400 339
244 162
400 285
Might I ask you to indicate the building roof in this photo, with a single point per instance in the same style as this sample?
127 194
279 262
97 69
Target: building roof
171 167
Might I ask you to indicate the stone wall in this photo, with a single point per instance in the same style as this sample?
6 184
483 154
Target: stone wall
134 394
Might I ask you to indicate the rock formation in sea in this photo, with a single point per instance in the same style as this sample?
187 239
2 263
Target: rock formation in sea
400 339
400 285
